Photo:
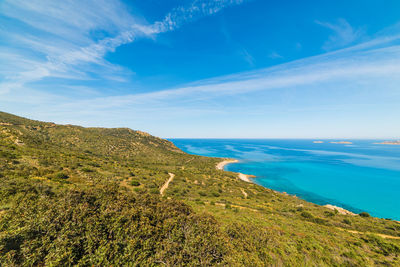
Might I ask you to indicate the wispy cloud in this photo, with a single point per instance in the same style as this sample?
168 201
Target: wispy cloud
198 8
274 55
347 67
343 34
373 66
49 41
60 39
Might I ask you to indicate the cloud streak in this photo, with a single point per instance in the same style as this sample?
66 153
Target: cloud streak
346 65
343 34
65 44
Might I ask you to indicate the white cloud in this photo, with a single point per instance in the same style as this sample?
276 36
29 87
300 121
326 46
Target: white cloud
58 38
365 62
343 34
198 8
274 55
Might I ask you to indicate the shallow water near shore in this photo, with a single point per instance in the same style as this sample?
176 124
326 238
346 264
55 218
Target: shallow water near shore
361 176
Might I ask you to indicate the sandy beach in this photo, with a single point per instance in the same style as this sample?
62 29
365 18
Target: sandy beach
243 177
221 165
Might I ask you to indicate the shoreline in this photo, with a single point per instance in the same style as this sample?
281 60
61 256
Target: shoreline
246 178
221 165
242 176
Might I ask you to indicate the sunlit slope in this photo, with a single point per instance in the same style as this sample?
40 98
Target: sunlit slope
91 196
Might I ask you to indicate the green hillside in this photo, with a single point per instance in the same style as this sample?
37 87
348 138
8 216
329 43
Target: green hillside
91 196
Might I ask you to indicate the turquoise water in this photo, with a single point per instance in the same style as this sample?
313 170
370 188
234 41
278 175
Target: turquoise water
359 177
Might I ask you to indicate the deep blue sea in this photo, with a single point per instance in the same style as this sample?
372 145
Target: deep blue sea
362 176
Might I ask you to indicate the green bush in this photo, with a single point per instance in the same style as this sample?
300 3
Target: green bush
203 194
347 221
307 215
85 169
135 183
215 194
92 228
364 214
61 175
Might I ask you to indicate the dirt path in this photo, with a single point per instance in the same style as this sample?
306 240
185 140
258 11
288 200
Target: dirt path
361 233
165 186
243 192
234 206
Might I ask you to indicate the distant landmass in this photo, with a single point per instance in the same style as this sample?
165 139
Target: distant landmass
389 143
71 195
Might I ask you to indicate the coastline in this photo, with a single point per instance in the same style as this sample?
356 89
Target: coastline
221 165
246 178
242 176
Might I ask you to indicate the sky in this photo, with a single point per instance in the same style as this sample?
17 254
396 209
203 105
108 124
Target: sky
206 68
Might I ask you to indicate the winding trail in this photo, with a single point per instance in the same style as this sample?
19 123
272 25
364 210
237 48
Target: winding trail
243 192
361 233
165 186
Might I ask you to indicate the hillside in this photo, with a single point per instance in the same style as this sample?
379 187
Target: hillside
97 196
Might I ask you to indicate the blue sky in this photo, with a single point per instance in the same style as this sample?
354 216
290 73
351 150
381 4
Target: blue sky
212 68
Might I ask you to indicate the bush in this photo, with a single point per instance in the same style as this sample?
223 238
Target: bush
61 175
154 191
347 221
135 183
320 221
87 169
215 194
307 215
364 214
108 228
203 194
329 213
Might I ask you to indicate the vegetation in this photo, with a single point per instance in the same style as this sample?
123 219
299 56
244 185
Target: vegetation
91 196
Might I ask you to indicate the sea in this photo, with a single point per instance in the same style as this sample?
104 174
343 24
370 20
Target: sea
361 176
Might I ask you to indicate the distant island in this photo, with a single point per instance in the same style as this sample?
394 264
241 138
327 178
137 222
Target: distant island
389 143
342 142
318 142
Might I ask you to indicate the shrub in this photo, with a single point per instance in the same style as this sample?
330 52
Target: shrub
364 214
154 191
347 221
320 221
307 215
135 183
61 175
87 169
215 194
203 194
